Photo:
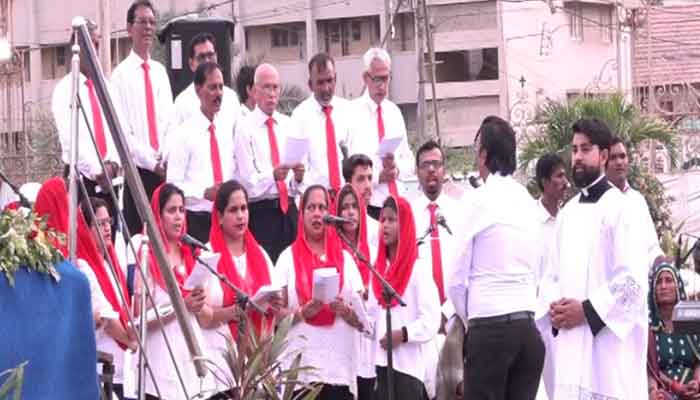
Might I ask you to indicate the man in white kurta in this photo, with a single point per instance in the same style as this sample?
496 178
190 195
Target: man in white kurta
593 296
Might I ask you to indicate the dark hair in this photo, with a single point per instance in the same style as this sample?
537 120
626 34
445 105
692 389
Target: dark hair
166 192
545 168
203 70
390 203
427 146
498 139
354 161
595 130
131 12
307 193
344 191
93 203
201 37
225 190
320 60
616 140
244 80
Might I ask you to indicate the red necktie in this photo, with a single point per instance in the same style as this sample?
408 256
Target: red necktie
380 128
150 107
215 158
98 128
435 251
331 149
275 155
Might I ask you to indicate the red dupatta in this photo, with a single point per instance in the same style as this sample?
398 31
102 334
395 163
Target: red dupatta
185 251
398 272
257 273
306 261
52 201
362 242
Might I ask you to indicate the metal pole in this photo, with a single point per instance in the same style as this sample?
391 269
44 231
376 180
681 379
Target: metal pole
142 327
73 158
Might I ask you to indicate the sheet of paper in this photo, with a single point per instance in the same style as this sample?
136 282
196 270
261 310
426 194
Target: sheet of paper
389 146
264 295
164 310
116 182
200 274
326 285
358 307
295 150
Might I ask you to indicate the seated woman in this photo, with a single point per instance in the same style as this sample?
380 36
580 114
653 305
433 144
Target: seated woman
413 325
244 262
673 361
325 335
168 205
111 320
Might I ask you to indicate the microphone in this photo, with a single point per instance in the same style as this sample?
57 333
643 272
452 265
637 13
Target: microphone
192 242
440 219
329 219
473 181
343 149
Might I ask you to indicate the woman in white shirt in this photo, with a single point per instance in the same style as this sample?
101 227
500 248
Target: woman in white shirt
243 262
417 323
325 335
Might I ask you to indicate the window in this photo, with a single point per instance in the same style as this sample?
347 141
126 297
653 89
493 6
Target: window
284 37
26 64
346 36
61 55
575 21
467 65
334 32
404 36
356 31
606 24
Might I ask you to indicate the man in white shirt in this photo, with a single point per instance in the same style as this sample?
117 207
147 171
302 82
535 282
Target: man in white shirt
142 89
376 119
324 119
493 286
201 157
244 88
260 144
92 125
617 171
202 49
592 300
550 175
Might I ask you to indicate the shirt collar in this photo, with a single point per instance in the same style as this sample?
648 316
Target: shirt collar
136 59
261 117
544 212
371 103
626 186
593 192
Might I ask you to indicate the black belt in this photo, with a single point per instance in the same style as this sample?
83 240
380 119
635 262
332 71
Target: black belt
267 204
499 319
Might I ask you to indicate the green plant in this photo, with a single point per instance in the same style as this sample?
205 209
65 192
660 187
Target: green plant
12 387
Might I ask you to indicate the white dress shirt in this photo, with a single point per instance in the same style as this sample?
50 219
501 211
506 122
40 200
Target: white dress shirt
640 206
498 257
365 140
331 350
130 89
190 164
253 156
421 317
311 121
547 224
187 104
88 162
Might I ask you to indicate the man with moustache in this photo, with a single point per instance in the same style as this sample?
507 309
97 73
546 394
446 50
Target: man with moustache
593 296
357 171
323 119
550 175
201 158
617 170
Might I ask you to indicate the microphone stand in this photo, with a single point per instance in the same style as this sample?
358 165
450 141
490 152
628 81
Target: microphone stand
428 231
388 294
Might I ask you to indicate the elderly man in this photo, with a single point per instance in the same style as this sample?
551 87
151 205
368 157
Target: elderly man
260 143
375 120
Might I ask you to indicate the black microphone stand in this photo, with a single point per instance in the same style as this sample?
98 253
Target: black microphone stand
388 294
428 231
22 200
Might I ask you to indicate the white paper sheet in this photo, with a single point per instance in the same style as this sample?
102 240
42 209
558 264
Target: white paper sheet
264 295
200 274
164 310
358 307
389 146
295 150
116 182
326 285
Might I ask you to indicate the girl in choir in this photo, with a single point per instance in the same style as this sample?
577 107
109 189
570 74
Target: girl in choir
111 321
413 325
245 263
325 335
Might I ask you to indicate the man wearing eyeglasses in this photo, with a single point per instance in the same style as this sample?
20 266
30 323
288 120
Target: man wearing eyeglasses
377 119
203 49
142 89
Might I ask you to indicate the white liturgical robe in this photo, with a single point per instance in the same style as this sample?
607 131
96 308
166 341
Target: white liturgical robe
598 259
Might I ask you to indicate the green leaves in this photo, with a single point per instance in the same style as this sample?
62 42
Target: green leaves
13 383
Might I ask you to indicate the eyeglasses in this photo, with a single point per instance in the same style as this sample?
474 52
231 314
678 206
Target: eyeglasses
378 80
201 57
104 222
435 164
145 21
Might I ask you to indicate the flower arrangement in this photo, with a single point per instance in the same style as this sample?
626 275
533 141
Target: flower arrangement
26 241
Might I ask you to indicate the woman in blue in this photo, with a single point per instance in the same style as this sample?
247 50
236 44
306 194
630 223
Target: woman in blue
673 361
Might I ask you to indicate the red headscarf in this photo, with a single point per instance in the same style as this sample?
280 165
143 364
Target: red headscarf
306 261
185 250
362 242
257 273
52 201
399 271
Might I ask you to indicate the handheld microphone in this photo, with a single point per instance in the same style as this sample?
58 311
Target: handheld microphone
329 219
474 181
192 242
440 219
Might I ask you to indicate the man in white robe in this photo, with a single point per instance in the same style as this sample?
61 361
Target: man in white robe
593 296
